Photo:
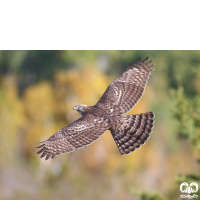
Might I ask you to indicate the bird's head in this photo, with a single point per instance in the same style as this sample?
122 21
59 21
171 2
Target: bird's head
81 108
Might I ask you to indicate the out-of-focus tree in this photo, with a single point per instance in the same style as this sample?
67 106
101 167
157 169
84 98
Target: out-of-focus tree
187 113
38 104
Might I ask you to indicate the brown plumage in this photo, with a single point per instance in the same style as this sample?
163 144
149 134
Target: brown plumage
128 131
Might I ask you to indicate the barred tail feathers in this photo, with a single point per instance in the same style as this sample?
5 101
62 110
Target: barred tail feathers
130 131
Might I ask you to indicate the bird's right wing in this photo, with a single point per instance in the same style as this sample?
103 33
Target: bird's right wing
78 134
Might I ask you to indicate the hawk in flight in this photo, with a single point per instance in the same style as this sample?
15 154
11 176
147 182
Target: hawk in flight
128 131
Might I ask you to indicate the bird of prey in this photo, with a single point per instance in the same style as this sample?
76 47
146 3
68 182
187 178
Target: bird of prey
128 131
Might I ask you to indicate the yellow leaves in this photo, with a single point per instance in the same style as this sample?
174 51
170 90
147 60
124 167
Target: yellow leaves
81 86
38 101
10 105
38 104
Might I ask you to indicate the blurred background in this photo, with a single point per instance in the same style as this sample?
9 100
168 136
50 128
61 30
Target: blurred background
38 90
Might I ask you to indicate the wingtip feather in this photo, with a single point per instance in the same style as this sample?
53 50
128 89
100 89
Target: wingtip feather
40 146
144 61
41 150
137 62
48 156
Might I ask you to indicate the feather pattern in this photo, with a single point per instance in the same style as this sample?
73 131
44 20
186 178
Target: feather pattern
80 133
128 131
125 91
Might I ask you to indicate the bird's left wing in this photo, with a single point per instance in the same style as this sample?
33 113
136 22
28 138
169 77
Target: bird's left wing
78 134
124 92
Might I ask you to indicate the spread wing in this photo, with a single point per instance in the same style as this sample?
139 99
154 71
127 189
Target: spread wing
125 91
78 134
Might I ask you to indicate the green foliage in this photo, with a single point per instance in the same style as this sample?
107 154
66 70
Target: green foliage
187 113
149 195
